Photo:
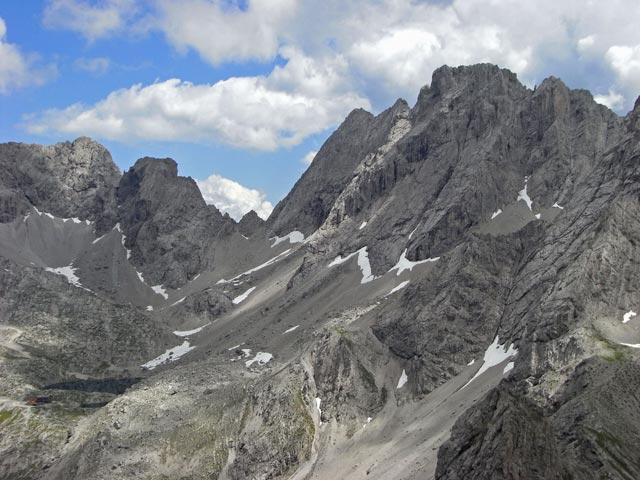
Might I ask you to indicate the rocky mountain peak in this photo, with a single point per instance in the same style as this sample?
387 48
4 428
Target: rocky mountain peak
250 223
164 217
165 167
467 266
68 179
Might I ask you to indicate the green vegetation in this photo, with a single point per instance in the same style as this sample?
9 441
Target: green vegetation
6 417
616 356
305 430
615 353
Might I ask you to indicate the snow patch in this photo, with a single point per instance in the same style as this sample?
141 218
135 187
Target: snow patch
318 403
412 232
234 347
293 237
160 290
556 205
291 329
97 240
69 272
123 238
140 277
537 215
43 213
632 345
471 362
494 355
149 308
496 213
508 367
406 264
262 358
171 355
246 352
259 267
398 287
403 380
243 297
362 225
188 333
627 316
179 301
523 195
363 263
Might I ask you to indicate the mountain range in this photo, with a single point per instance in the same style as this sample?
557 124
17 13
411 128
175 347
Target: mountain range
448 292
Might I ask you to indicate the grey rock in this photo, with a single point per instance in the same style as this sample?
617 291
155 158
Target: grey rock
168 225
410 184
69 179
251 224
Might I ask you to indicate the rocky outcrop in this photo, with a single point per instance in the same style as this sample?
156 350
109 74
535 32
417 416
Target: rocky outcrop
311 199
168 226
69 179
251 224
578 435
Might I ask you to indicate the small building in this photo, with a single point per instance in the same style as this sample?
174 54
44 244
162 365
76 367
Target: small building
37 400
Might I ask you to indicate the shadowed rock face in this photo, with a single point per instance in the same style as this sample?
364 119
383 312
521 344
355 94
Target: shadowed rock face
250 224
168 225
488 218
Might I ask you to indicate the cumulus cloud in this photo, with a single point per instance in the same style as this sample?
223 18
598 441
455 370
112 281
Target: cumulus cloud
16 69
613 100
264 112
222 30
308 158
625 62
95 66
337 56
93 21
232 198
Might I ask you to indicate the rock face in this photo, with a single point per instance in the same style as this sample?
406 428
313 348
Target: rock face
250 224
452 294
578 435
69 179
309 202
168 225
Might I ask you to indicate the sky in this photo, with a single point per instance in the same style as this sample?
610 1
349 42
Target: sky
243 93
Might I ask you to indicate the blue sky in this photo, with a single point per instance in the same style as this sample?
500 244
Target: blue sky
241 92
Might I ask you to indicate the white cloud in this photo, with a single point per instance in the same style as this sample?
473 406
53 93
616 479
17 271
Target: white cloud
96 65
339 55
90 20
232 198
613 100
220 30
308 158
265 112
16 69
625 62
586 44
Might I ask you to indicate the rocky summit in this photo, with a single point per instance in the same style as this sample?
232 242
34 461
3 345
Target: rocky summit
448 292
